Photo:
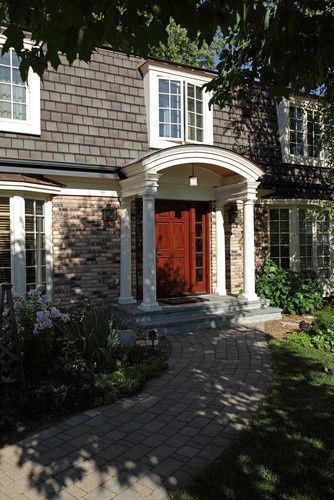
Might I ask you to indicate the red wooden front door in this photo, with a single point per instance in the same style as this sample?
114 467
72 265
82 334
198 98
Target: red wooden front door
182 238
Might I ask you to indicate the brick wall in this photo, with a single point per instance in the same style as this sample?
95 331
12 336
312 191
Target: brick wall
261 235
234 248
86 250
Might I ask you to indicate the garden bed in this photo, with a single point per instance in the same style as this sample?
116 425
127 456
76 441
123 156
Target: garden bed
289 323
73 362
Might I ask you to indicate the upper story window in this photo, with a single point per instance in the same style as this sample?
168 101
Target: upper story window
304 132
177 106
19 101
300 132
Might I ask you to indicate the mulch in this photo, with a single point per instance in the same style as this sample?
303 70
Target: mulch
289 323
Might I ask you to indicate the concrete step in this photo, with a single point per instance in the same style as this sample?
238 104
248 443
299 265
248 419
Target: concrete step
171 323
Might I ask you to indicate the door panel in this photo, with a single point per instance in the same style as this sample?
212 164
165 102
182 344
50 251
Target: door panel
181 230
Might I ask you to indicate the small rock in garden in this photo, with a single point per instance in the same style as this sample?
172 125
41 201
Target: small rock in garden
304 326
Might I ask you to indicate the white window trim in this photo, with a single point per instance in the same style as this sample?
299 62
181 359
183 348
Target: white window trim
17 236
293 206
283 117
32 125
152 73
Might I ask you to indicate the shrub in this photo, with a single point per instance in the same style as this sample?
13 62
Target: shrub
321 334
91 336
37 321
295 293
322 330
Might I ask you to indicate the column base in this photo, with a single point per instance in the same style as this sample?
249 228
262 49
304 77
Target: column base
221 292
126 300
150 307
249 297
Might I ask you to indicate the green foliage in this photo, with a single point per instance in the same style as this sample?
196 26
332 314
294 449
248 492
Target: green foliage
128 380
91 337
258 44
293 292
322 331
179 48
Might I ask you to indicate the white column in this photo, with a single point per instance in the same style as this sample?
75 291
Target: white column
220 252
126 268
17 216
249 253
48 249
149 266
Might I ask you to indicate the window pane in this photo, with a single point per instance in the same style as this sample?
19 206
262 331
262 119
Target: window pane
199 260
163 101
5 110
175 87
5 74
199 274
5 59
17 77
175 131
19 112
5 94
19 94
164 86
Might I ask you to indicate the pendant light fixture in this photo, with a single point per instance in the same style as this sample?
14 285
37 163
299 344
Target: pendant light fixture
193 178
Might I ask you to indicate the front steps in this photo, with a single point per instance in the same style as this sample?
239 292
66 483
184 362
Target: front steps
216 312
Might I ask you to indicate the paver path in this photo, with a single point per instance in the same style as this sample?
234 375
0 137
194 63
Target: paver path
152 443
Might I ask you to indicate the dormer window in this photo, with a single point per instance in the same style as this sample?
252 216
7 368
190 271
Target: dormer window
19 101
177 106
304 132
300 131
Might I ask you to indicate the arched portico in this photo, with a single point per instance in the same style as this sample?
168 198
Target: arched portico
232 178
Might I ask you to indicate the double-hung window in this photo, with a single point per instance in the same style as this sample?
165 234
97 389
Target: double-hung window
300 243
180 110
25 236
19 100
300 131
177 107
304 132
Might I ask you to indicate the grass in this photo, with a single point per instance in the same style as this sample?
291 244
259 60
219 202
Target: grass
287 450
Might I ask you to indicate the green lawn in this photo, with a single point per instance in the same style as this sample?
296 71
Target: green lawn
287 450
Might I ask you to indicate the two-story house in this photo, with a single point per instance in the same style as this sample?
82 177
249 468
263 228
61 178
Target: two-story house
118 182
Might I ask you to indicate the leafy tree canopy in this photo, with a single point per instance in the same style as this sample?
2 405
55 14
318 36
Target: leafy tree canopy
284 44
180 48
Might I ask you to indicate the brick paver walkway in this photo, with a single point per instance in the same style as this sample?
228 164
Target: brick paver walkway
152 443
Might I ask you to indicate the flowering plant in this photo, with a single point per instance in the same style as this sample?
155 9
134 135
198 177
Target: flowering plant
37 320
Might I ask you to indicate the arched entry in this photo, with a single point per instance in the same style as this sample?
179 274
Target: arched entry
237 179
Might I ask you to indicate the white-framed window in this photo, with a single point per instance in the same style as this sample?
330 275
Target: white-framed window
19 101
301 243
177 106
279 236
25 242
300 131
